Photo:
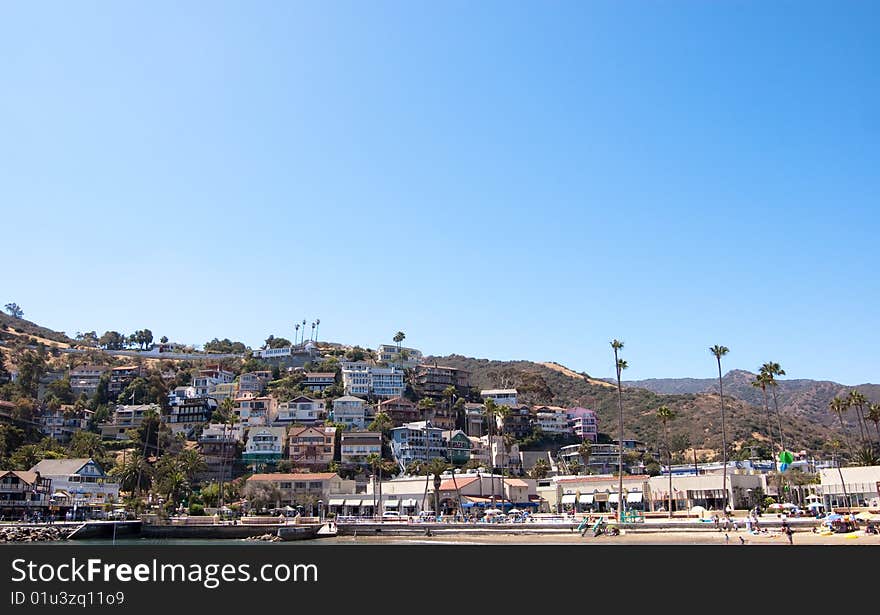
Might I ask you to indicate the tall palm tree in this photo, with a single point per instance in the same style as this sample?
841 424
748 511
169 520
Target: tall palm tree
490 411
772 370
398 338
312 334
836 446
317 325
375 463
874 417
436 467
720 351
838 406
857 400
665 414
761 381
426 407
619 365
449 394
295 334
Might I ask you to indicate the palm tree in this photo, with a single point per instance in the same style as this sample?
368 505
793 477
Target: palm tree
398 338
857 400
436 467
874 417
835 445
620 365
296 334
761 382
720 351
426 407
585 450
665 414
540 469
838 406
772 370
317 325
312 334
375 462
449 394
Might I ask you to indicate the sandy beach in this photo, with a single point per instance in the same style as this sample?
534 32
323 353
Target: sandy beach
629 538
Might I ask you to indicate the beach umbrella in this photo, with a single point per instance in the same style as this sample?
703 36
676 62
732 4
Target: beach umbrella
866 516
815 505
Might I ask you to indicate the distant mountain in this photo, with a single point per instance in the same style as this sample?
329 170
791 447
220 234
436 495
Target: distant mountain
697 411
796 397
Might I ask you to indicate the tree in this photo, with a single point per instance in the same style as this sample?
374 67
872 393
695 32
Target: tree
665 414
838 406
540 469
163 339
381 423
762 381
436 467
857 400
585 450
87 444
874 417
718 352
620 365
134 474
14 310
426 408
398 338
772 370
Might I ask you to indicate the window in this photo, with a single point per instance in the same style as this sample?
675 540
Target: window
300 485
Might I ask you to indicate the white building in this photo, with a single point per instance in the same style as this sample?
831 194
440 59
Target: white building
361 379
403 357
553 420
351 411
502 397
78 482
300 410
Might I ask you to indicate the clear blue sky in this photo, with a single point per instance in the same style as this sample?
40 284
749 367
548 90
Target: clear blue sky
501 180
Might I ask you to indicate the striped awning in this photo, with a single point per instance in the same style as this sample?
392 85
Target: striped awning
586 498
336 502
392 503
613 497
410 503
635 496
350 502
569 498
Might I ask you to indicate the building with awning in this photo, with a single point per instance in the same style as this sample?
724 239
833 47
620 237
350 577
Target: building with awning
592 493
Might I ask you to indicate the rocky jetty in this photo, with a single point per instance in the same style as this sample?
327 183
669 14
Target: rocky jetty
43 533
265 538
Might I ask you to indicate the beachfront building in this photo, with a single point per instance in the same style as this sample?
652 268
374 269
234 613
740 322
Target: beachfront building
84 379
350 411
265 445
318 381
356 446
502 397
23 493
417 441
399 409
599 494
300 410
125 418
309 490
312 447
78 483
862 487
61 423
707 490
584 423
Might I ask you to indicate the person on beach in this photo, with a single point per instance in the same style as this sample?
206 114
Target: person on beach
790 533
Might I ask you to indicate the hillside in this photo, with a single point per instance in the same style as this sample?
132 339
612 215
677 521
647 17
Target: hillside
698 414
800 398
15 328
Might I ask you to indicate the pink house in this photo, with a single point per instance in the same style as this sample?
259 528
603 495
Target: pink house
584 423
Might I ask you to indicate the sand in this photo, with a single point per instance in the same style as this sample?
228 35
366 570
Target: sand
629 538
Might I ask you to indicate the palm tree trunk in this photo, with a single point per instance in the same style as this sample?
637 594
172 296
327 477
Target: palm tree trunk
845 433
619 442
669 466
843 485
425 495
864 434
723 434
